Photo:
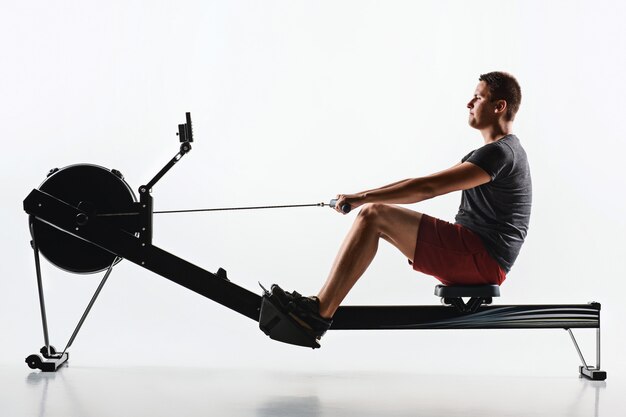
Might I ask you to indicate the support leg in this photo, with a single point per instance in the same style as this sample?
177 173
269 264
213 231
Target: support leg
51 360
589 372
42 303
91 303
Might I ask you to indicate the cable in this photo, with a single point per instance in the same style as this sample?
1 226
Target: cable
243 208
345 208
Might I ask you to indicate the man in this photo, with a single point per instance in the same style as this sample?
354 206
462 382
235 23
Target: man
491 224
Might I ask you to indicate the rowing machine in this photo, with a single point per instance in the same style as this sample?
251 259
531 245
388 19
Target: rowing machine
85 219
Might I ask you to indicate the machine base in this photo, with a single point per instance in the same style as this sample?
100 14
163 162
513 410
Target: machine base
51 364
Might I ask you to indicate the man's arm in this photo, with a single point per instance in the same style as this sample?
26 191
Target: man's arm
384 187
462 176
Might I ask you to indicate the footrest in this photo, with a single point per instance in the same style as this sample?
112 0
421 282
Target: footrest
279 325
457 291
592 373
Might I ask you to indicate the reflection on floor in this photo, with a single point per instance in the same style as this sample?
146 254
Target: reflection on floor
82 392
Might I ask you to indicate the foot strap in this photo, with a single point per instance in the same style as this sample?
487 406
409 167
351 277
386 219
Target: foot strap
280 325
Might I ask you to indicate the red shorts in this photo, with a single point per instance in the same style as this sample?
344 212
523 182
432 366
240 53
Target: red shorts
454 255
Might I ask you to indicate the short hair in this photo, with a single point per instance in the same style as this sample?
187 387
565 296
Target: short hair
503 86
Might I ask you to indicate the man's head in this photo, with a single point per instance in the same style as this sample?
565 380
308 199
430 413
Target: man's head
503 86
497 98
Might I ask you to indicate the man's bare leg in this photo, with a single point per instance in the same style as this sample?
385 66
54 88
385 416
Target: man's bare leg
397 225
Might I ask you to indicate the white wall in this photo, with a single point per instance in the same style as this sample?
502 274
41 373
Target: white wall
294 102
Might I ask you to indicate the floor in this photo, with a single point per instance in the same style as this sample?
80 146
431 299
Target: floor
87 392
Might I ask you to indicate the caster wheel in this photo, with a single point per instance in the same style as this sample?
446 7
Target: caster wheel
34 361
44 351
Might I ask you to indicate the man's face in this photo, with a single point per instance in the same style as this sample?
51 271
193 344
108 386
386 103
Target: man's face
481 110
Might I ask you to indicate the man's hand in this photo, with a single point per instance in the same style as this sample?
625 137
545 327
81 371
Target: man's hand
353 200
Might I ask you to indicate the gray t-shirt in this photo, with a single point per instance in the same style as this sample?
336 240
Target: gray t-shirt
499 211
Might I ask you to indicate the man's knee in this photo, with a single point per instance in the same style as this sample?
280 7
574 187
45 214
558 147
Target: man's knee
389 219
372 213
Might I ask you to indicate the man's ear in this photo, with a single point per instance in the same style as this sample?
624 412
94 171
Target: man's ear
501 106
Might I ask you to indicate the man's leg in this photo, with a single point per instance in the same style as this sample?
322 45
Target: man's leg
397 225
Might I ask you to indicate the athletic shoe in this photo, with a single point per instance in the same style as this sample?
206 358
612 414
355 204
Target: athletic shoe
304 310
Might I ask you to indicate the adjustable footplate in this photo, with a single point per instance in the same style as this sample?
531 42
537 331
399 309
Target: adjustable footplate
281 325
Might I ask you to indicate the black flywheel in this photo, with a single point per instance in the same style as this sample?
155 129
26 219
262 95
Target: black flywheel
88 187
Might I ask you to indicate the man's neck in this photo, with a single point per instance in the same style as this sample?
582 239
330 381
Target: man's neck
496 132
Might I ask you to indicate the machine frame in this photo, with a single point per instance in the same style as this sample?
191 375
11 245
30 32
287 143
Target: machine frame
132 240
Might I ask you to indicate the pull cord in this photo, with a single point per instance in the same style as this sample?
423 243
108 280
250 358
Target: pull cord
244 208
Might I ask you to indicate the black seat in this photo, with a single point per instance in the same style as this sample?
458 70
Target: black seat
457 291
478 295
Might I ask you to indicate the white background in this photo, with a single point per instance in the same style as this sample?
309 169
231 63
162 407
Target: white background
294 102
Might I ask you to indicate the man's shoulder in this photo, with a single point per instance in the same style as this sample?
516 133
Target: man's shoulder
514 147
510 147
495 150
511 142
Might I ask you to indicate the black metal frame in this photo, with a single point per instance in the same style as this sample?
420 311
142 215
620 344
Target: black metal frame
133 242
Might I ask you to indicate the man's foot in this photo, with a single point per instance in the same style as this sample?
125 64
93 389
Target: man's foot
304 310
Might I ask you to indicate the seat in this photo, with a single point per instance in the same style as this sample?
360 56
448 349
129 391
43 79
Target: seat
478 295
457 291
